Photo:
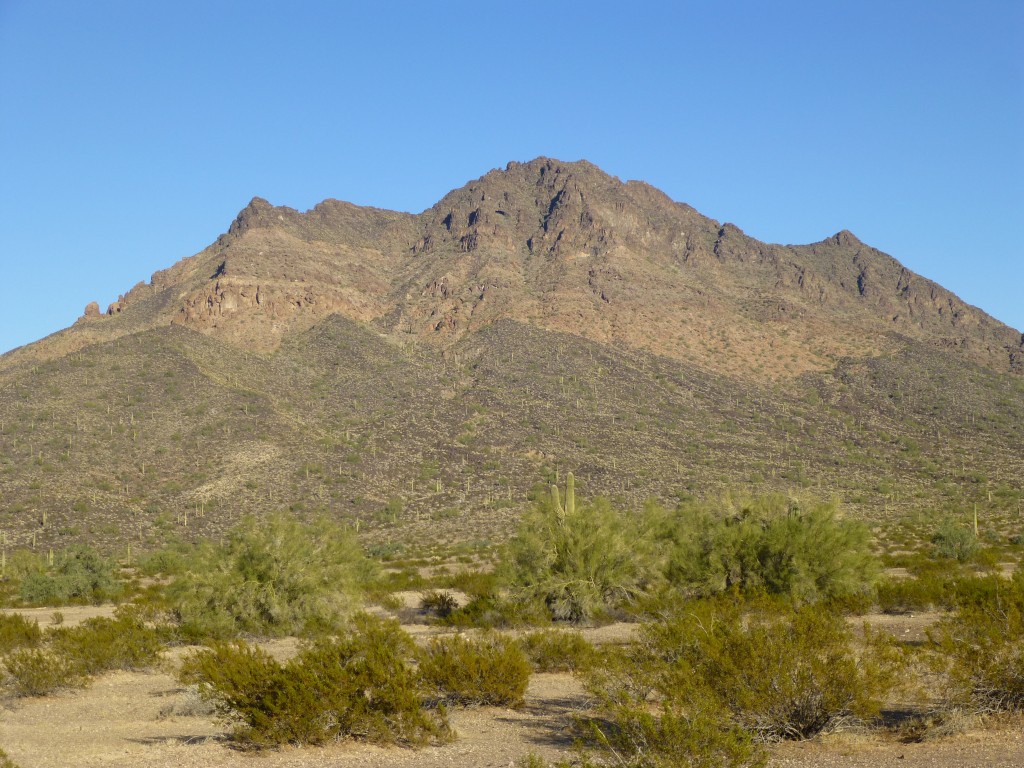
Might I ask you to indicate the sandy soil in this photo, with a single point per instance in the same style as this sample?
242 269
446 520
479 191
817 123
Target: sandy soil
72 614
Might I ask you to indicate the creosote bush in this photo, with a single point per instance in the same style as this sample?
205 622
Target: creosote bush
553 650
981 649
273 577
361 685
724 675
67 657
39 672
488 669
18 632
441 604
100 645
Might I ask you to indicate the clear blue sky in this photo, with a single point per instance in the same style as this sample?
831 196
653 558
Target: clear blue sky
132 132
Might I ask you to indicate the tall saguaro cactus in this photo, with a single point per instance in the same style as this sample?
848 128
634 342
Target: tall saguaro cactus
570 498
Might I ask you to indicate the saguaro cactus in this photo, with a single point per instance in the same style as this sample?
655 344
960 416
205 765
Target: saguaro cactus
570 498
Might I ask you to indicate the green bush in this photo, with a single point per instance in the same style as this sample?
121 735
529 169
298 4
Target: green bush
633 735
360 686
441 604
771 671
18 632
580 561
981 649
170 560
771 543
936 588
5 761
954 542
274 577
80 574
38 672
99 645
556 651
488 669
494 612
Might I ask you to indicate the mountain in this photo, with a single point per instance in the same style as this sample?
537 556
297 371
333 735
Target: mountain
420 373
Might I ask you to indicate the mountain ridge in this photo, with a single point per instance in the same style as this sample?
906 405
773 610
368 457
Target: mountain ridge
566 246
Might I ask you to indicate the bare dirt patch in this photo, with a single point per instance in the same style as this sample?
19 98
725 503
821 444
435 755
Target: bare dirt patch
73 615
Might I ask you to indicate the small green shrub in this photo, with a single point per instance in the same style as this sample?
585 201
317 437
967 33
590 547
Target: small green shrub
361 685
473 583
556 651
954 542
493 612
489 669
935 588
441 604
80 574
170 560
18 632
100 644
39 672
981 649
773 671
634 736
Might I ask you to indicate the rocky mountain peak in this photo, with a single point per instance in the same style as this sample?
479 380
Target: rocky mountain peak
566 247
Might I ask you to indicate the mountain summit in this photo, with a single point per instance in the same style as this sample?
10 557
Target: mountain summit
562 246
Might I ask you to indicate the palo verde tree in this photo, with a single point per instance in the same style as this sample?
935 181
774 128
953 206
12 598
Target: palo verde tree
580 560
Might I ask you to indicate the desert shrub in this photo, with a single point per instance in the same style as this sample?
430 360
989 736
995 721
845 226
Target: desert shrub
981 649
441 604
273 577
782 674
935 588
555 651
579 561
770 671
913 594
361 685
18 632
786 547
100 644
635 736
954 542
489 669
473 583
495 612
79 574
170 560
38 672
5 761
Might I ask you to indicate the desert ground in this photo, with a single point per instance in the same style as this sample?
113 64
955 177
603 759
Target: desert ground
148 720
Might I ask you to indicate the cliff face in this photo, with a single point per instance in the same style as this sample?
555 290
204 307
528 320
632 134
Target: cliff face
562 246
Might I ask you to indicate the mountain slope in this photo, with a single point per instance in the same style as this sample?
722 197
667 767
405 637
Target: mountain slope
420 374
